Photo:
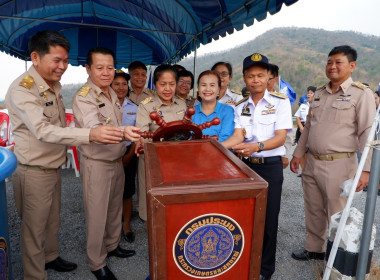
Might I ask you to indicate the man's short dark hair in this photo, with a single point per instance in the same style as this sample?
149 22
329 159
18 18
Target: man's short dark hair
43 40
227 64
178 67
186 73
136 64
273 68
348 51
101 50
313 89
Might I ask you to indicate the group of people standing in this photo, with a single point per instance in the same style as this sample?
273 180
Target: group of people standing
114 106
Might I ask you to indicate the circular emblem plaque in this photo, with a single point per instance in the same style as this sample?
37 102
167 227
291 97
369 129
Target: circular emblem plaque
208 246
256 57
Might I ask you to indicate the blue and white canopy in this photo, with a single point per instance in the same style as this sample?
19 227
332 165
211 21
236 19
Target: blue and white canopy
152 31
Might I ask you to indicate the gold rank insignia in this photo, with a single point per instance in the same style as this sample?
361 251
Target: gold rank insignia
45 96
152 91
278 94
360 85
146 100
98 99
83 91
321 87
269 106
108 120
235 91
27 82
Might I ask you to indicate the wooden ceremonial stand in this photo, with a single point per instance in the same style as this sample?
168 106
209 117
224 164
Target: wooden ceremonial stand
206 208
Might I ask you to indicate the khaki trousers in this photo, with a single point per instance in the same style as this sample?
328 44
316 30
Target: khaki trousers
103 185
321 180
38 200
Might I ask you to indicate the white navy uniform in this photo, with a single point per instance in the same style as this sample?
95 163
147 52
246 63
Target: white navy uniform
231 97
260 122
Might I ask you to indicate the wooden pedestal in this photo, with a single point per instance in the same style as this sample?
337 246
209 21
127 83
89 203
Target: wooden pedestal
206 212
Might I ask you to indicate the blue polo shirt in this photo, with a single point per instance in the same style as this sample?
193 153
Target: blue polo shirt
226 115
129 114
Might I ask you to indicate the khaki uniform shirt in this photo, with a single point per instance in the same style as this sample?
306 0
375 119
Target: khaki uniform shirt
91 108
338 122
173 112
137 98
38 121
189 100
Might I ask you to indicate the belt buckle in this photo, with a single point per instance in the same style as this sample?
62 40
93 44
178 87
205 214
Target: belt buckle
255 160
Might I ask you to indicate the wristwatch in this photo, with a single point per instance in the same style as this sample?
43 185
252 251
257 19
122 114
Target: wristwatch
261 146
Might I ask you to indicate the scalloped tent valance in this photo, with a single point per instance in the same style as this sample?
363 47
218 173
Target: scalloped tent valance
152 31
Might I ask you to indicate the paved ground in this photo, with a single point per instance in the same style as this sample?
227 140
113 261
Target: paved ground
73 235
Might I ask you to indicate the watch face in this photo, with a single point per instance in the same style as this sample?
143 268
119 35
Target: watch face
261 146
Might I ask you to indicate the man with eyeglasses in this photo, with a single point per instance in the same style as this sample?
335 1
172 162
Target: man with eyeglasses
184 85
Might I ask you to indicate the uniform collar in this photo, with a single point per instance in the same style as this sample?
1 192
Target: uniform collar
41 83
344 86
267 97
98 91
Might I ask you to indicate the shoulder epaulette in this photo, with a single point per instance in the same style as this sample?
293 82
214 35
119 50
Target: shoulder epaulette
321 87
146 100
179 97
27 82
131 100
360 85
241 101
83 91
235 91
152 91
278 94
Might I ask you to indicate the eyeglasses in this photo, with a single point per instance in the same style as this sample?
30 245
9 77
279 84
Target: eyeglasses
184 82
223 74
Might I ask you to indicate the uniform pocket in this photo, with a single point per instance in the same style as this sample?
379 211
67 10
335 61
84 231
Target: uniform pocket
342 112
51 110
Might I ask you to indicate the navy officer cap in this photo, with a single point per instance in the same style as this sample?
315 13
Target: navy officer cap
255 59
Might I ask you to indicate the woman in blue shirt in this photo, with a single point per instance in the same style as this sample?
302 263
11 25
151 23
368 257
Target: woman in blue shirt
208 89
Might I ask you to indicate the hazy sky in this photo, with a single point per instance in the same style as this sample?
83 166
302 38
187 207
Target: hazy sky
351 15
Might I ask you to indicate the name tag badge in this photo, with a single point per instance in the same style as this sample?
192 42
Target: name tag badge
49 103
102 105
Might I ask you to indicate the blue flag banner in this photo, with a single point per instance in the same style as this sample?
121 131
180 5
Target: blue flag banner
379 87
150 81
287 89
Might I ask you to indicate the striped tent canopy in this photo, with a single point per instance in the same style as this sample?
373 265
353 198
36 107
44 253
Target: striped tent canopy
152 31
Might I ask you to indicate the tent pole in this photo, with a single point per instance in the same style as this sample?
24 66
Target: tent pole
26 65
194 68
369 210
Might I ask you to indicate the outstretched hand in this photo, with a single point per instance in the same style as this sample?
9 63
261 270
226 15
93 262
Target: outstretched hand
106 134
130 133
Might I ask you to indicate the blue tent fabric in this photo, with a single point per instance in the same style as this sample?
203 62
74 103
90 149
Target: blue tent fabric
152 31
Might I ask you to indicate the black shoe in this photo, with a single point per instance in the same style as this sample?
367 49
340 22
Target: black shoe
264 278
304 255
104 274
129 236
121 253
61 265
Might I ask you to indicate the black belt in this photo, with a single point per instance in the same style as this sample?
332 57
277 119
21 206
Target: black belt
262 160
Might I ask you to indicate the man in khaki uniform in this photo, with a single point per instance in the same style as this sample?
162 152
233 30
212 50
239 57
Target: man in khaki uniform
38 119
340 117
173 112
137 90
102 170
